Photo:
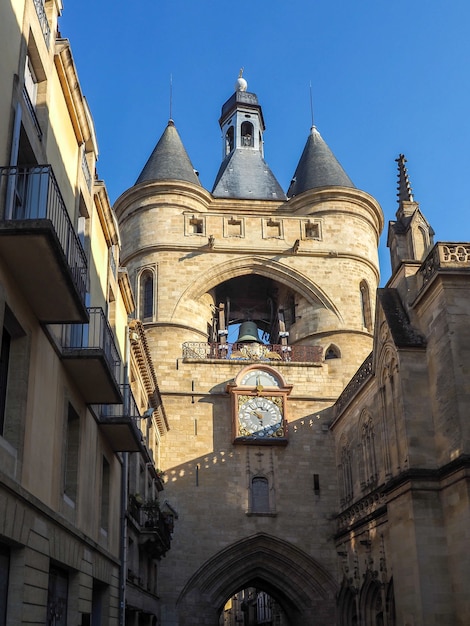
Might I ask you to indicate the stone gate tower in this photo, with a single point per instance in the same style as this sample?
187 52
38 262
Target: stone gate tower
258 307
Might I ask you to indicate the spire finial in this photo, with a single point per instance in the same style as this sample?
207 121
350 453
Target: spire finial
311 105
241 84
404 187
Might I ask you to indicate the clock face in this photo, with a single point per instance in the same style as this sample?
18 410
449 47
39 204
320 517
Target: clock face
259 378
260 417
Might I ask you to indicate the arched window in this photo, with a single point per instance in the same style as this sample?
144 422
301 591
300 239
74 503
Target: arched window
365 305
371 602
259 495
332 352
229 141
347 606
393 456
421 243
247 134
147 296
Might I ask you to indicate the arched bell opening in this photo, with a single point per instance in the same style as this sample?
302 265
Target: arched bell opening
254 308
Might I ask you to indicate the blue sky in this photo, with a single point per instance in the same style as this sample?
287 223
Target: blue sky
386 77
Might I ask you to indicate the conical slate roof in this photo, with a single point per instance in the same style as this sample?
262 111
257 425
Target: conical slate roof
169 160
318 167
245 174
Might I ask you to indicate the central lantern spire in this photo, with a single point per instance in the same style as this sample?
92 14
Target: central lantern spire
244 172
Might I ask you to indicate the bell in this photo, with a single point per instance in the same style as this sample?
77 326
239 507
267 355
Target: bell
248 332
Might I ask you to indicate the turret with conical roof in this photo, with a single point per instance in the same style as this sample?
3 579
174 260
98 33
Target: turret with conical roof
169 160
244 174
318 167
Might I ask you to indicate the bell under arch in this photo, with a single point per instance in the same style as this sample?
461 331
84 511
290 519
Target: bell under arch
265 292
303 588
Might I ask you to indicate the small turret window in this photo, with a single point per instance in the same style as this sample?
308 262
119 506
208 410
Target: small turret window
247 134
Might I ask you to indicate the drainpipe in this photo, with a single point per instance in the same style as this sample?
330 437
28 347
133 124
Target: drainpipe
123 546
123 514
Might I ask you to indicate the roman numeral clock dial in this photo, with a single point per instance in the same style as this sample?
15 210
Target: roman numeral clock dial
260 416
259 400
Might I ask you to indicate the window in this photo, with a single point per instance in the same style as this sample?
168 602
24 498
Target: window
4 573
369 459
197 226
259 495
57 597
345 473
14 370
4 363
194 225
71 454
147 295
312 230
247 134
332 352
365 305
30 82
272 229
105 477
229 140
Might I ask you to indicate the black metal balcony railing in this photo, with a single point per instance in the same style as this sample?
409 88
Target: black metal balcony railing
156 526
127 409
96 335
43 21
120 423
33 194
252 352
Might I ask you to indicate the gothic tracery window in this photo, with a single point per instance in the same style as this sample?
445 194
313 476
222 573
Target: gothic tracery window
345 473
368 452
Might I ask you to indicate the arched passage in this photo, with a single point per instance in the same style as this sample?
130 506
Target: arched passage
303 587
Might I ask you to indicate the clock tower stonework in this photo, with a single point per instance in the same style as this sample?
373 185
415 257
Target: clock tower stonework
300 268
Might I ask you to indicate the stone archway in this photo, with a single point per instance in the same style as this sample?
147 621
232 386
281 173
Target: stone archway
263 267
303 587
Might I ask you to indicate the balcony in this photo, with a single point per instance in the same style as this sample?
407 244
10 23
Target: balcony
156 527
118 422
202 351
90 356
40 246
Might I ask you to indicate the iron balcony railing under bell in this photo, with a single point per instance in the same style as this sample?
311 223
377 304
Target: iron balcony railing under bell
33 194
96 335
252 352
